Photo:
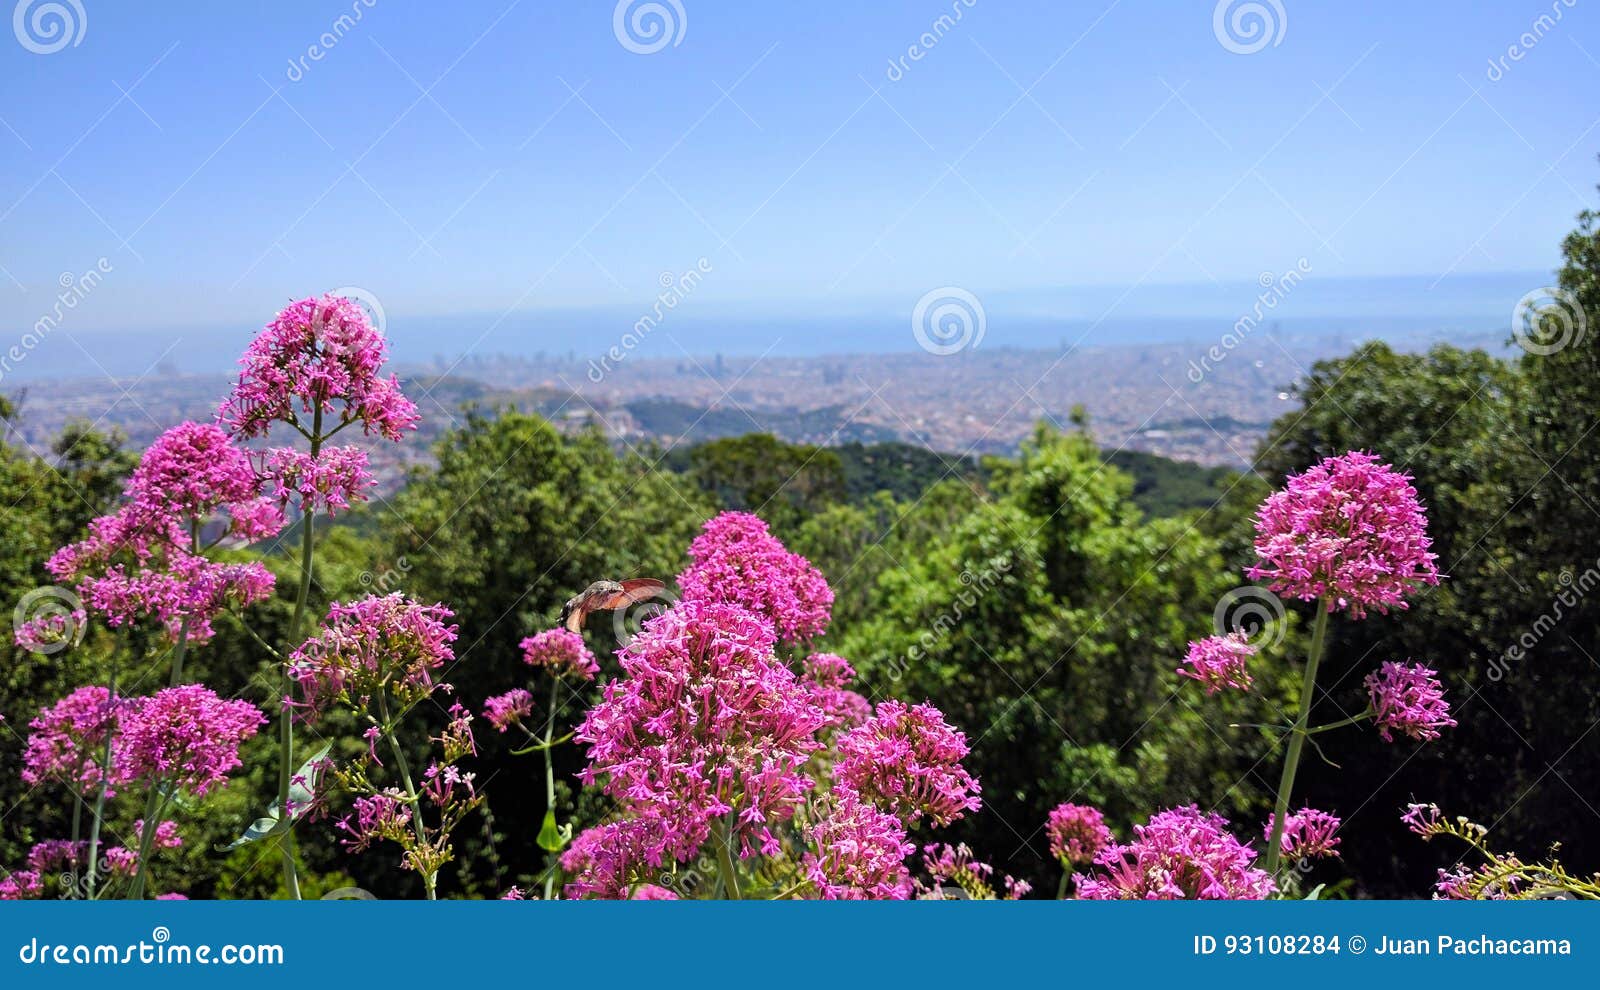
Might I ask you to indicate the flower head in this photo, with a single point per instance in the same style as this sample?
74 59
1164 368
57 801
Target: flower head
1220 662
1180 854
193 471
829 677
1307 834
907 760
1077 834
858 853
652 892
185 736
68 739
736 561
387 643
328 482
706 721
1408 699
317 354
954 865
505 710
384 815
21 885
1350 529
560 651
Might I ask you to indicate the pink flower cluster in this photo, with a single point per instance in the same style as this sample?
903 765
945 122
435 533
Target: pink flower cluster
318 353
607 859
142 561
69 738
1220 662
705 726
947 864
1408 699
858 853
560 651
1078 834
387 643
1183 853
829 677
185 736
505 710
1351 530
328 482
736 561
907 760
1307 834
384 815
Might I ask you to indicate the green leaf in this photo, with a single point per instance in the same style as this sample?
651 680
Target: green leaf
259 829
552 838
1316 892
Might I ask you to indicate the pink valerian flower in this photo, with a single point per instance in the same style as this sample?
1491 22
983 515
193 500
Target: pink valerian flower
384 815
45 633
21 885
954 865
907 760
387 643
514 893
829 677
317 354
54 854
1220 662
705 723
123 861
652 892
1351 530
736 561
185 736
193 471
560 651
189 588
606 860
68 739
506 710
858 853
1307 834
328 482
1183 853
1077 834
457 739
1423 819
172 896
1408 699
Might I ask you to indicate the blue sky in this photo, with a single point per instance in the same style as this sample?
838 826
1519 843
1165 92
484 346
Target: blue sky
504 158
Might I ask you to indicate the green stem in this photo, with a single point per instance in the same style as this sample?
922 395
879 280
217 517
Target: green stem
1061 890
100 799
1352 720
150 816
550 773
147 836
430 880
1297 740
308 537
730 876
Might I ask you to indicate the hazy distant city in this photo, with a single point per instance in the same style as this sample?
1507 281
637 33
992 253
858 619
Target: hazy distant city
1169 398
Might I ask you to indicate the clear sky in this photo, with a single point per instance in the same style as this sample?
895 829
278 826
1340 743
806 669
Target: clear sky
504 157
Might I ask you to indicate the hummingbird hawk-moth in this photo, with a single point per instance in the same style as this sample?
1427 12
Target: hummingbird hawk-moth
603 596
